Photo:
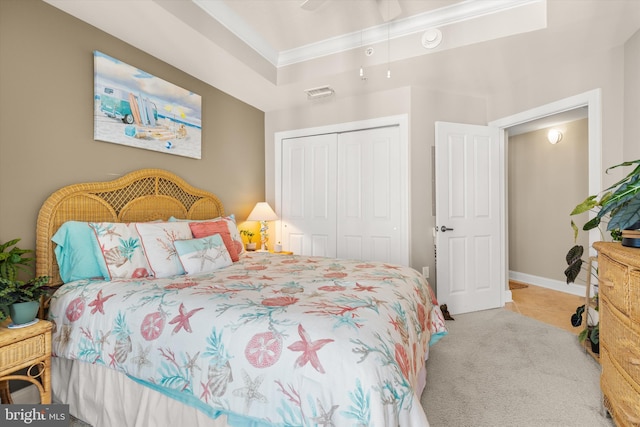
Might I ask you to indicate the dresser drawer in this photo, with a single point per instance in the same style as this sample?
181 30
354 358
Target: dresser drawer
22 352
634 295
620 339
612 279
621 399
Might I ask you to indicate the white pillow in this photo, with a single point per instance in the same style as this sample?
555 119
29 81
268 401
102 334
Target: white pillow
203 255
157 241
121 249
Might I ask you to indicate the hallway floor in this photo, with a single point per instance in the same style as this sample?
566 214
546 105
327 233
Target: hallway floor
546 305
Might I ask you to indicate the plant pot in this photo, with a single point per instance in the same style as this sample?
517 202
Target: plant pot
595 347
631 240
251 246
23 312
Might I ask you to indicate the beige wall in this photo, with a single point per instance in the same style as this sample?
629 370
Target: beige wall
601 69
632 98
46 120
545 183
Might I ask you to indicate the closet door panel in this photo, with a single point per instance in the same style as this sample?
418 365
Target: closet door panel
308 210
369 211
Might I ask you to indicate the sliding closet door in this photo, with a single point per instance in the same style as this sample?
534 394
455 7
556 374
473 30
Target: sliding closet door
309 195
371 221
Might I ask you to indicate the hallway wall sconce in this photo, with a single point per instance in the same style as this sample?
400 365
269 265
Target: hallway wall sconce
554 136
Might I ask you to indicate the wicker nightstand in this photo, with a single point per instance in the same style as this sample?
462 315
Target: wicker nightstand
282 252
28 347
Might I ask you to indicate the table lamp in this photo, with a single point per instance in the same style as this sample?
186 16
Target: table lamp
262 212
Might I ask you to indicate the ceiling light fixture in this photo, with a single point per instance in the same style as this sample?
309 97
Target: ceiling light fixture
388 54
362 77
388 43
554 136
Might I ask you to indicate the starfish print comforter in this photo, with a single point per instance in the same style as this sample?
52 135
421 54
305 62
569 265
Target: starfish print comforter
271 340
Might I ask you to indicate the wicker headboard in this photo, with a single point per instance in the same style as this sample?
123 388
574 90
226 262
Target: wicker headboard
143 195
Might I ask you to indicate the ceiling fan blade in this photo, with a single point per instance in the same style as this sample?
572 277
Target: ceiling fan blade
389 9
311 4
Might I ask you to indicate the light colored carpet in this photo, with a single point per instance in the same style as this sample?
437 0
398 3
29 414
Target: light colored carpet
74 422
499 368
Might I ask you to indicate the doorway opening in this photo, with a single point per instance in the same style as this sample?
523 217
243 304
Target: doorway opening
545 182
592 102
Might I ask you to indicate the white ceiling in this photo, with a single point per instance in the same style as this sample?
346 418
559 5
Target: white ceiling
266 52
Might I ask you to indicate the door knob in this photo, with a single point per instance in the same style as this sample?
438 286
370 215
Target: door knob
445 228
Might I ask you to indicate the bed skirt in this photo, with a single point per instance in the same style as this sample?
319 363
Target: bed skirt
104 397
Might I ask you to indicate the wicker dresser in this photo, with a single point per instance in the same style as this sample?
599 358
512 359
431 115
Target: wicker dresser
619 283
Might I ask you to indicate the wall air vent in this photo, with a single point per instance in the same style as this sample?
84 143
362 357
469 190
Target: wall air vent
319 92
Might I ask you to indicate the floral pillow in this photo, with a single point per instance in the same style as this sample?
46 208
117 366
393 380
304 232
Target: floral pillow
204 229
203 255
157 241
121 249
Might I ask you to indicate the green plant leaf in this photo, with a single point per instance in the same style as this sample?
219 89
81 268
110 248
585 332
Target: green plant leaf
582 336
574 254
591 224
626 216
594 335
588 204
625 192
605 198
4 312
571 273
576 318
575 231
633 173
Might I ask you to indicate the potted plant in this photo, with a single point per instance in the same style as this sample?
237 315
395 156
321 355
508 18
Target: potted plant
250 245
19 299
621 203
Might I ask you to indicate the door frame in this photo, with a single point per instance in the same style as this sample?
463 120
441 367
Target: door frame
401 120
593 101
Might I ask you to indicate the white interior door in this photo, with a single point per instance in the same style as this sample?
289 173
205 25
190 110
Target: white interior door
309 195
468 217
370 216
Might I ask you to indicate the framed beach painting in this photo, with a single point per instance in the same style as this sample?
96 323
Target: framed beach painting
135 108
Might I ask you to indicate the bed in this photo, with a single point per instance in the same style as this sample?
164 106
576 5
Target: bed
200 332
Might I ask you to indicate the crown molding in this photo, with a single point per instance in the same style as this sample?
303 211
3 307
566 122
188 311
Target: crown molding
465 10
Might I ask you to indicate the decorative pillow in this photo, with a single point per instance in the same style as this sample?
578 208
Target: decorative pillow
78 253
203 255
231 225
204 229
235 233
121 249
157 240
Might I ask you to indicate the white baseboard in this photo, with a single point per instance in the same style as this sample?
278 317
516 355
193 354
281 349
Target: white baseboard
543 282
508 296
26 395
